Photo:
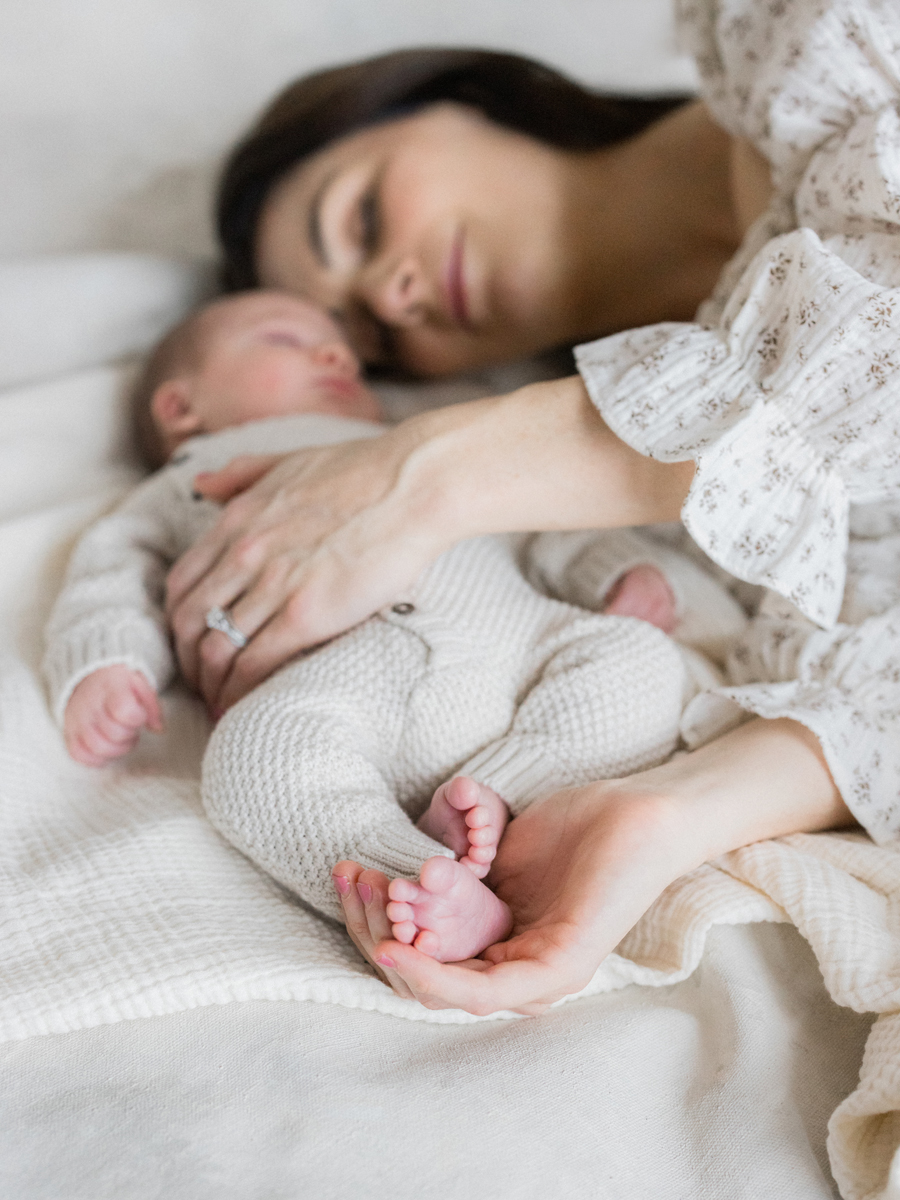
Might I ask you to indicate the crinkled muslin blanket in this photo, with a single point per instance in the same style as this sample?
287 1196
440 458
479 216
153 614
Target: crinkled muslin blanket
118 900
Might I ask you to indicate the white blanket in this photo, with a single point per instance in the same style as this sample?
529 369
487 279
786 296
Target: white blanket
117 900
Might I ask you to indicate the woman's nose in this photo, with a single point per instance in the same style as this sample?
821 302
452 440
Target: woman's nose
397 294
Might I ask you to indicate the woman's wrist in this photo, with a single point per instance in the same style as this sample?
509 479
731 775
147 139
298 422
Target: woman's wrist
539 458
765 779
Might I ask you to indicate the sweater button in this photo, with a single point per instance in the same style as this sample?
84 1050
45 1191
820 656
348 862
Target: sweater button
403 610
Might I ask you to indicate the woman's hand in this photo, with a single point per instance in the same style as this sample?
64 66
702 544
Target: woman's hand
326 537
579 868
330 535
570 868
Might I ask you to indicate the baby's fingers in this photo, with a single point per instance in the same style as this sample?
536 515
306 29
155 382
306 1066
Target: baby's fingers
93 746
148 699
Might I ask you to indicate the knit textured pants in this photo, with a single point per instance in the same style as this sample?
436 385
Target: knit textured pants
477 673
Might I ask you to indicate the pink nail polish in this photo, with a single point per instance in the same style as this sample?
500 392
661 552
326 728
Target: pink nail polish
365 893
384 961
342 884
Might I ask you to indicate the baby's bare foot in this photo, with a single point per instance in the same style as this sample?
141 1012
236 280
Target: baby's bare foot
468 818
449 914
643 592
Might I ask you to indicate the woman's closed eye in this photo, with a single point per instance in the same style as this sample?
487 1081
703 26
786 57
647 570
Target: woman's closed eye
369 217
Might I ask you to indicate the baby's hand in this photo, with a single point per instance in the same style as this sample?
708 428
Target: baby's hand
106 713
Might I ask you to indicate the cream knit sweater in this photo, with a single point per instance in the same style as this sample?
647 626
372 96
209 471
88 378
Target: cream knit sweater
475 672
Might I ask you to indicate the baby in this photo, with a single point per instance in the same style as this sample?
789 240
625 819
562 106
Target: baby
407 743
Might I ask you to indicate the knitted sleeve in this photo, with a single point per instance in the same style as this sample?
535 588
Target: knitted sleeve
110 609
788 404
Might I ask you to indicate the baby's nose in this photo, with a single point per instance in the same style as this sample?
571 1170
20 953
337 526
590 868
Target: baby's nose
337 355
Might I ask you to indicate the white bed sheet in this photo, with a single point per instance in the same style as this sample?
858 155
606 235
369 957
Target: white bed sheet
717 1088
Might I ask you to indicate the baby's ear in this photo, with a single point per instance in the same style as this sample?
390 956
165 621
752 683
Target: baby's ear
171 407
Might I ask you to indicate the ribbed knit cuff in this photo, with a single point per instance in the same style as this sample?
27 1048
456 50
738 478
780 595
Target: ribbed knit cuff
87 649
399 848
518 771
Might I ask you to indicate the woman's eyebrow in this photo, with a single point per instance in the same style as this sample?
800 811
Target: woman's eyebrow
314 222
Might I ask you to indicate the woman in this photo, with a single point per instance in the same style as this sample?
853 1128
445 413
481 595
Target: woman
445 237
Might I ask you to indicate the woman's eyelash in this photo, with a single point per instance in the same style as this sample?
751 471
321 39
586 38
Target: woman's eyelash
369 220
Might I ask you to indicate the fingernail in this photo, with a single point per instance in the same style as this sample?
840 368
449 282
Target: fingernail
384 961
365 893
342 884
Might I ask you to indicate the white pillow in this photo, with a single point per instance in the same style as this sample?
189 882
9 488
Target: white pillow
65 312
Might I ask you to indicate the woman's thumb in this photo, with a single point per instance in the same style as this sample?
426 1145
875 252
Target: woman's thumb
240 474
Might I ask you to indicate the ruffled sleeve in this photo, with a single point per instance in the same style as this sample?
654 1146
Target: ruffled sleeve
843 684
790 405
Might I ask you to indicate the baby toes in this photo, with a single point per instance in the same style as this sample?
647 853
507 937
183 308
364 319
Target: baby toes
405 932
484 855
397 911
403 890
477 817
478 869
428 943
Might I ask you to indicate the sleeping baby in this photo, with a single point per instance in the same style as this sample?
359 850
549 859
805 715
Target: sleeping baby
514 667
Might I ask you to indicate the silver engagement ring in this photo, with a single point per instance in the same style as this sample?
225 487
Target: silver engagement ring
218 618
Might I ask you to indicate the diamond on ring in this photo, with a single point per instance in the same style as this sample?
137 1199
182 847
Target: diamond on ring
217 618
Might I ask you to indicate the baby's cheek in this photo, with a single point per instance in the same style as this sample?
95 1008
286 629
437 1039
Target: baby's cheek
278 389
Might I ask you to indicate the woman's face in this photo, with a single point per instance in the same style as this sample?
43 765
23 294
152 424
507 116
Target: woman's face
436 239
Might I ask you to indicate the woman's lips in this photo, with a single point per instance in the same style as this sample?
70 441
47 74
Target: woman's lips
455 284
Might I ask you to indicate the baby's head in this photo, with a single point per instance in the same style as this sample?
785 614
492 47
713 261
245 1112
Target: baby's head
244 357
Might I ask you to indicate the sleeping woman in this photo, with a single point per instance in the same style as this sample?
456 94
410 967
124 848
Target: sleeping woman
729 270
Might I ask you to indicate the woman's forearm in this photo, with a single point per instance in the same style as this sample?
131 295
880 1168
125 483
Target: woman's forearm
540 458
331 534
765 779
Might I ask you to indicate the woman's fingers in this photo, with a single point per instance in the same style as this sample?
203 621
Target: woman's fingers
275 644
298 601
324 539
364 909
521 982
195 565
240 474
475 986
259 616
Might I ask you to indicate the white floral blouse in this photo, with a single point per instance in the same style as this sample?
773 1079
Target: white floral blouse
786 392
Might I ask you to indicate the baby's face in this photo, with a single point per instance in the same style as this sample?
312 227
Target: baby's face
273 355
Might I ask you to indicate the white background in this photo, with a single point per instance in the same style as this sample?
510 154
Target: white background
114 113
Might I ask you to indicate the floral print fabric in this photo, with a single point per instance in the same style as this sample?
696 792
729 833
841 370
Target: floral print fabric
786 392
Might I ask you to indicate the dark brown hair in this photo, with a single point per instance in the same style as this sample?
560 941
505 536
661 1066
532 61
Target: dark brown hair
508 89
